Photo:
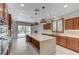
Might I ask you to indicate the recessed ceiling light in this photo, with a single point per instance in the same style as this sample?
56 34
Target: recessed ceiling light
65 5
22 5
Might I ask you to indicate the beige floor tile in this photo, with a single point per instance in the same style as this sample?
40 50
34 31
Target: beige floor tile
20 47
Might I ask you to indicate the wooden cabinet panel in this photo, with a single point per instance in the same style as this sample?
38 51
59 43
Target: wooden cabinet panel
9 21
69 24
1 15
76 23
33 41
73 44
63 41
1 10
27 38
1 5
57 40
72 23
67 42
47 26
36 43
6 12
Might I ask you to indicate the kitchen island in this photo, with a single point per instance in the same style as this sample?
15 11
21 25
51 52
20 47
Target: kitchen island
46 45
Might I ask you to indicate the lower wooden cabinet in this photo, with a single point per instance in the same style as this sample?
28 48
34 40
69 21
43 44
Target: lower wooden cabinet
61 40
73 44
68 42
57 40
27 38
35 42
32 40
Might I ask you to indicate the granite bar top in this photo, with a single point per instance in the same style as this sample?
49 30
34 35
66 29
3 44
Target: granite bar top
40 37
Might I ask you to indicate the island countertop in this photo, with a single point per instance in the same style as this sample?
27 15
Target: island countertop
40 37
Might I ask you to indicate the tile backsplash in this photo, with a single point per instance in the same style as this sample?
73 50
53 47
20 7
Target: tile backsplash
72 31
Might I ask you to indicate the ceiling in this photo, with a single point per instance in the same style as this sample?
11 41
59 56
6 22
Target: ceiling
27 12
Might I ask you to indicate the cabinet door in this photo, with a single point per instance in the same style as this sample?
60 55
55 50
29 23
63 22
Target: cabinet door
35 42
69 24
63 41
76 23
57 40
47 26
73 44
1 10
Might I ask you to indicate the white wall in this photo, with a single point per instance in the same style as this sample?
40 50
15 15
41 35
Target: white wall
38 28
71 15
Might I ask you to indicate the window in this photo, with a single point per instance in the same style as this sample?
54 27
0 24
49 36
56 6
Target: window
23 30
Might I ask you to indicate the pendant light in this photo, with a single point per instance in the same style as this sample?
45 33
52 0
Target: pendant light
43 20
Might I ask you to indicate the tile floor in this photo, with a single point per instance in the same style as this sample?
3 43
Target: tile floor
0 47
20 47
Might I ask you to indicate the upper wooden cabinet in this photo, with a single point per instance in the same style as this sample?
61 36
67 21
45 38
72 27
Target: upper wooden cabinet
6 12
1 10
9 21
72 24
69 24
76 23
47 26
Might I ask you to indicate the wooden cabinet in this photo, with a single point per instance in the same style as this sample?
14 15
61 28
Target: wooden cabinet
57 40
76 23
69 24
27 38
73 44
47 26
33 41
5 23
68 42
61 40
9 21
72 24
1 10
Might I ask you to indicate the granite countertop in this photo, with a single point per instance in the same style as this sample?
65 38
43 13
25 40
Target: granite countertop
73 35
40 37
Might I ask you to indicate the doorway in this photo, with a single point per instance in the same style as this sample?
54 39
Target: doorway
23 30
